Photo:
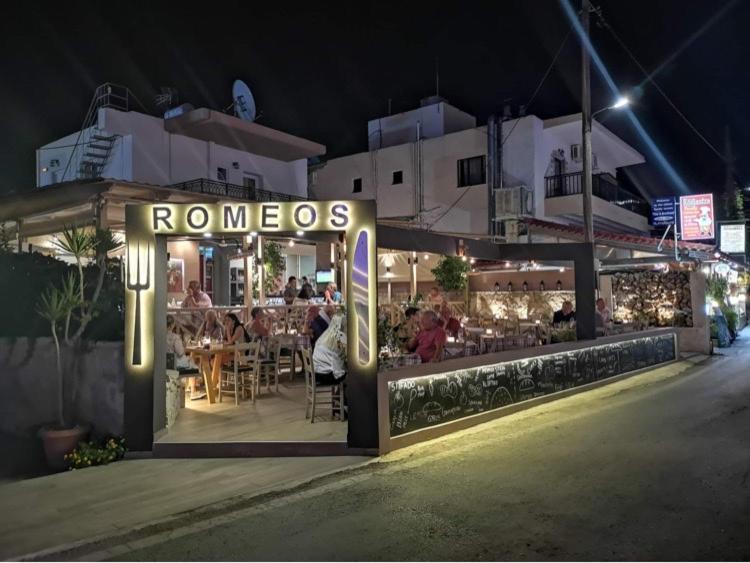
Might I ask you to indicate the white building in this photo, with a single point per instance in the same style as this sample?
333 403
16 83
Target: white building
429 166
117 144
121 156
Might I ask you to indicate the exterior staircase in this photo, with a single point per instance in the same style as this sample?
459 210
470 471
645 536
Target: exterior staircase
93 146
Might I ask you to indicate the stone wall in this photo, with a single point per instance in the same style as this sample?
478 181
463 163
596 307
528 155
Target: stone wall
94 384
523 304
661 298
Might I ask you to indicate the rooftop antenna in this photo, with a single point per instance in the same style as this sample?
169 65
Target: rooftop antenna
168 98
437 76
244 103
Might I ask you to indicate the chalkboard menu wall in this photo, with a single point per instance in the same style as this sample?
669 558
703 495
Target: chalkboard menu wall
422 402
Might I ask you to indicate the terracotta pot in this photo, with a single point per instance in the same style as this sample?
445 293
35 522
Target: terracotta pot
58 442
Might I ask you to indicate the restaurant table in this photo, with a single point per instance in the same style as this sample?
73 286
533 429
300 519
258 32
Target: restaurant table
209 363
489 342
394 361
296 342
459 348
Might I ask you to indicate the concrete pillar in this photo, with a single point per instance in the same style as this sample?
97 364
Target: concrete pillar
605 290
248 267
413 275
261 271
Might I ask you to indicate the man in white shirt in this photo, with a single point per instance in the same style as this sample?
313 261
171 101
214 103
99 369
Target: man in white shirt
196 297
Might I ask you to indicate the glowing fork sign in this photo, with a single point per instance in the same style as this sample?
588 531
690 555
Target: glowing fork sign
137 287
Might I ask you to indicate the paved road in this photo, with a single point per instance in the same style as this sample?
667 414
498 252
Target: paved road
655 467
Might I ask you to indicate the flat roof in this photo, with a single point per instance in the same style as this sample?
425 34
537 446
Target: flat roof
230 131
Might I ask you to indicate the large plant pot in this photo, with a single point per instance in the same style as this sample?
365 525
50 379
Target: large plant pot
58 442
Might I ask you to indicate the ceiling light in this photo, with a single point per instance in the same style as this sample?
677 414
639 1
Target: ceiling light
562 269
291 242
426 256
300 233
207 235
253 234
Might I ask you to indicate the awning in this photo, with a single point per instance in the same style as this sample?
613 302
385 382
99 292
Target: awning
621 240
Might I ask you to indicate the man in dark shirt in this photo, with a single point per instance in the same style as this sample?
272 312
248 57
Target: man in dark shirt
564 315
307 290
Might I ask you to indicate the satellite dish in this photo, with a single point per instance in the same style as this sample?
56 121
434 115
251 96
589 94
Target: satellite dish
244 103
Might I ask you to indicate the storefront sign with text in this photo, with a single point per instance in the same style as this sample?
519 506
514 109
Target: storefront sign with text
697 217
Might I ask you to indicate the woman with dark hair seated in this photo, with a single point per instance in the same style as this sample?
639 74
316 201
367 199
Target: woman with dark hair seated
234 330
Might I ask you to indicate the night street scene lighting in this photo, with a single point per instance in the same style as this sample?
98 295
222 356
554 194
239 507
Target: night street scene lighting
375 281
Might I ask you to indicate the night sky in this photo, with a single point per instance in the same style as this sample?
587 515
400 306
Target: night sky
321 70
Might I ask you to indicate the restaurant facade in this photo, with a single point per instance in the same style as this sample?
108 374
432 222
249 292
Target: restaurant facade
387 409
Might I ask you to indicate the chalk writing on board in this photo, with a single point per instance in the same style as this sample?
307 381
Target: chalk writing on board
425 401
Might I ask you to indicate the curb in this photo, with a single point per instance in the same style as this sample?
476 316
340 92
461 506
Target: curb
149 529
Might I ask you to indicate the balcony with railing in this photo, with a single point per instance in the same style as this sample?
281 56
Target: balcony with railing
603 186
234 191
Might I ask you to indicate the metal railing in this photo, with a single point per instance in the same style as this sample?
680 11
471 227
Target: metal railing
225 189
603 185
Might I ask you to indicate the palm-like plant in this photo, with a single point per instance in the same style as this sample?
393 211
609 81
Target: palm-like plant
79 244
68 301
56 305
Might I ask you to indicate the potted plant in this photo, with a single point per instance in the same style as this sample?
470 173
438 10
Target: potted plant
69 311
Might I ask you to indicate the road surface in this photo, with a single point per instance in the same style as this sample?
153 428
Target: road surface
654 467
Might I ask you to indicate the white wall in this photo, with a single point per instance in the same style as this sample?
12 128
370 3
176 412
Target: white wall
527 154
146 153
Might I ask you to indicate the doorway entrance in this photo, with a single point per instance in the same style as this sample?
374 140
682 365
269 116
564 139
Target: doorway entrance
147 230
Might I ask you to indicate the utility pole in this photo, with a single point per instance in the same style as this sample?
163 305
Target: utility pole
586 195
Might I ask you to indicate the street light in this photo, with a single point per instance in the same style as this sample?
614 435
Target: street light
620 103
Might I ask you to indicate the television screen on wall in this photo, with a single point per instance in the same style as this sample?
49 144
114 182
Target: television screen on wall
324 276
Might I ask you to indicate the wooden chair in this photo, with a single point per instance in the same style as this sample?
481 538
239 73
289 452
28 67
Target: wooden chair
269 364
317 395
242 375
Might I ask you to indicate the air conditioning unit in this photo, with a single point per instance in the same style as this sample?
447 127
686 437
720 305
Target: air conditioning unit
514 202
575 153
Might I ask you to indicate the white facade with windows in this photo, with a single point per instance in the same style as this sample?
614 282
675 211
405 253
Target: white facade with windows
201 144
439 177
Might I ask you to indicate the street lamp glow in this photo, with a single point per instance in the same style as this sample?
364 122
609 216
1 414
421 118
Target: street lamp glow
621 102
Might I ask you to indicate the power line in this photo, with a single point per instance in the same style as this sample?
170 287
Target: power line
649 78
503 140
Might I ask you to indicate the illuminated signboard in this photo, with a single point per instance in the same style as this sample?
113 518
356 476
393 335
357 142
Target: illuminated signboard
732 238
697 217
663 211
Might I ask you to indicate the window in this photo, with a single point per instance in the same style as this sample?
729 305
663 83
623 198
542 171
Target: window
251 181
357 185
471 171
221 174
575 153
398 177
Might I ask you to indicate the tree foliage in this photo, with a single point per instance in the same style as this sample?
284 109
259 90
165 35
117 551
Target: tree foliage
451 273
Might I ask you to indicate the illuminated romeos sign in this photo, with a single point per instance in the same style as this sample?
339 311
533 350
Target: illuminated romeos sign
239 217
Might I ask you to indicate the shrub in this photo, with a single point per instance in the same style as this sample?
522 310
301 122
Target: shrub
26 276
88 454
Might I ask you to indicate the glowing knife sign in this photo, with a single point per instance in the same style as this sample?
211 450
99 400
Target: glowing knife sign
360 290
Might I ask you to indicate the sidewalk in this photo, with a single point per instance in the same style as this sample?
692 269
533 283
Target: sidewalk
74 508
80 506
